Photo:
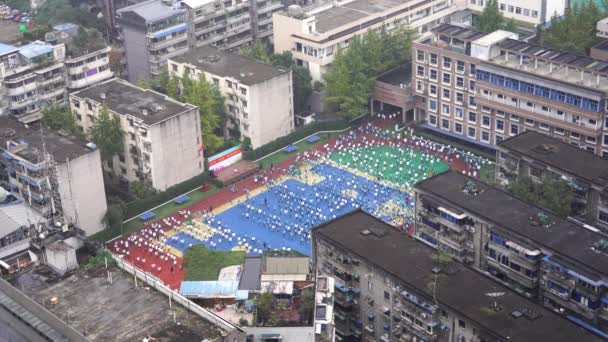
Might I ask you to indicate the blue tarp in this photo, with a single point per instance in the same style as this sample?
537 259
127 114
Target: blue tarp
214 288
169 31
6 155
147 216
291 148
182 199
313 139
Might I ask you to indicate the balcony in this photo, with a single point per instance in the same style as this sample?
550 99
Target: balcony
270 7
21 89
513 275
239 17
76 70
167 42
514 255
565 301
23 102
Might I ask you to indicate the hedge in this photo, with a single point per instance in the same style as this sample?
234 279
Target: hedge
138 206
295 136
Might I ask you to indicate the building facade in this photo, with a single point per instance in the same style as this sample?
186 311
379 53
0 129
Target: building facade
67 180
162 137
528 13
554 261
535 155
88 68
484 88
33 77
389 287
314 36
259 97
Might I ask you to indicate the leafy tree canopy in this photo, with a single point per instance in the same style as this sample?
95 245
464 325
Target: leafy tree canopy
576 30
107 134
491 19
553 194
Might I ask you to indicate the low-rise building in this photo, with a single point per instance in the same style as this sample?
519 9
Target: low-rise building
314 36
389 287
393 92
535 155
53 173
33 77
562 264
528 13
602 28
259 97
162 137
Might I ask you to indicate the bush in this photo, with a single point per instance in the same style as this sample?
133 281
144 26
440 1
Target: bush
138 206
295 136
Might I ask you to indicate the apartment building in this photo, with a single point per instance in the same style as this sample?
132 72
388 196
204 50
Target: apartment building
526 13
229 24
561 264
602 28
161 136
53 173
33 77
483 88
389 287
535 155
259 97
151 32
314 36
87 68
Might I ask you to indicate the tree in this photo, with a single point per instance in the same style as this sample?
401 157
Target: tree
576 30
259 51
107 134
307 304
491 19
114 215
172 88
52 12
57 117
199 93
219 108
302 87
552 193
139 189
265 305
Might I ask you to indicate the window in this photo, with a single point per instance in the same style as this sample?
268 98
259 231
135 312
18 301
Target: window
500 126
132 135
472 117
446 94
419 86
432 105
174 67
420 71
534 14
603 216
526 12
517 10
458 113
514 129
500 96
498 139
500 113
514 118
447 62
575 135
591 140
447 78
432 120
485 121
433 74
472 102
76 103
511 8
243 91
529 104
503 7
459 82
472 133
485 136
536 172
459 97
420 56
89 106
445 109
546 109
471 85
445 124
387 296
559 131
433 89
458 127
529 122
433 59
543 126
460 67
461 323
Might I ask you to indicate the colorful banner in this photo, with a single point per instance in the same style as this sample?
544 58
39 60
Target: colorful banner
225 158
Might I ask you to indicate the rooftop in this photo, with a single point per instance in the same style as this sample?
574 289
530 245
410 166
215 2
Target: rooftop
558 154
125 98
603 45
6 49
464 290
566 239
29 142
35 49
344 13
113 312
152 10
397 76
15 216
246 70
286 265
250 278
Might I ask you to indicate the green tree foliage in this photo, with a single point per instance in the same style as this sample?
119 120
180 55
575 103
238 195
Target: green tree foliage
114 215
553 194
199 92
302 87
265 305
219 108
350 81
57 118
307 304
576 30
172 87
140 189
491 19
107 134
53 12
259 50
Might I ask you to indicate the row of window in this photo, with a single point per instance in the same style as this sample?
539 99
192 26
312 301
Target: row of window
510 8
538 90
447 62
446 77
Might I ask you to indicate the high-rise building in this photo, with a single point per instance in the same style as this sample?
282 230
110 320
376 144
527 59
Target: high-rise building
389 287
483 88
162 137
315 35
259 97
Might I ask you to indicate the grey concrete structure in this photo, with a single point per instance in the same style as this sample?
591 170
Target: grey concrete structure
561 264
162 136
390 287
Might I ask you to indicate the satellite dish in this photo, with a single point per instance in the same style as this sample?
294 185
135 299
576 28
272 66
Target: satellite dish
58 224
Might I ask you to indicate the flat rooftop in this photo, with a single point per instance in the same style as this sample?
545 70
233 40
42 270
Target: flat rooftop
464 291
125 98
31 143
565 239
113 312
348 12
225 64
152 10
397 76
603 45
560 155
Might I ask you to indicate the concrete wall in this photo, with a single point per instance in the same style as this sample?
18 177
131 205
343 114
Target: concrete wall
62 260
175 156
291 334
136 50
81 190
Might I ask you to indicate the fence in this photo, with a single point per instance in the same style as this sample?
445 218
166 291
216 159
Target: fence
156 284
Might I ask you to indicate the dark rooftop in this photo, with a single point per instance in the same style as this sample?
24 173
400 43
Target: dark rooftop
252 271
458 32
560 155
464 291
397 76
603 45
565 239
125 98
30 142
247 70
